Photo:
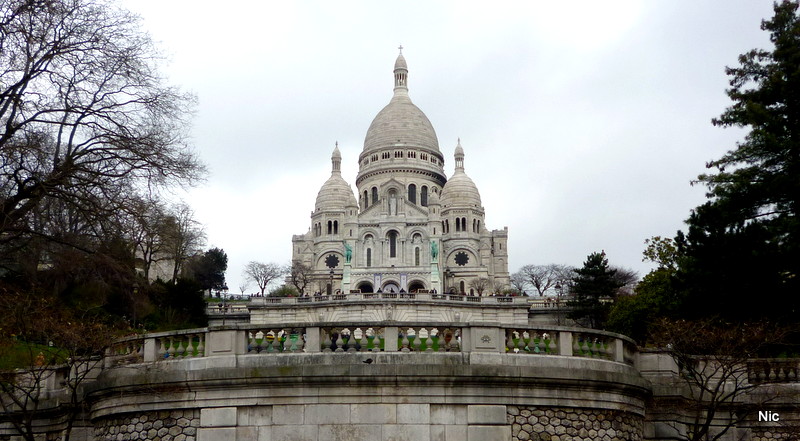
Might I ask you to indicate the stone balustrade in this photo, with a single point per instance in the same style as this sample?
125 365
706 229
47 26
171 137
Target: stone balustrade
415 297
773 370
353 337
534 303
383 380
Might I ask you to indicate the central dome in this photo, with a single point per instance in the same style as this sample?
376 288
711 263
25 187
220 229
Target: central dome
400 122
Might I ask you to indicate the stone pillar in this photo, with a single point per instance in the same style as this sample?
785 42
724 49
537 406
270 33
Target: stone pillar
565 343
390 339
346 278
226 342
619 350
485 339
436 283
150 350
312 339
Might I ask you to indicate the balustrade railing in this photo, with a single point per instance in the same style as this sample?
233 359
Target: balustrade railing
126 351
429 339
773 370
181 345
272 340
531 341
215 309
263 340
592 345
352 339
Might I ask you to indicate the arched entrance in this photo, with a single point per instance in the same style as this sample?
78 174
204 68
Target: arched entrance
365 287
390 287
415 286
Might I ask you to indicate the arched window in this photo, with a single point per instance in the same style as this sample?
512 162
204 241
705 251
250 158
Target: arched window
366 200
374 195
330 227
479 227
369 257
461 286
458 224
336 227
423 197
392 244
412 193
463 224
474 226
447 225
416 256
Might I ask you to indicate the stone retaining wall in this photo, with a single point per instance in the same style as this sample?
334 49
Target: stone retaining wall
572 424
175 425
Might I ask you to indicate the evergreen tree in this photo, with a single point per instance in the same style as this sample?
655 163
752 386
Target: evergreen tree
208 269
593 288
743 243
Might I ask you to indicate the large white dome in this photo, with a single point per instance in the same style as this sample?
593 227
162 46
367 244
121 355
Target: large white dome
401 122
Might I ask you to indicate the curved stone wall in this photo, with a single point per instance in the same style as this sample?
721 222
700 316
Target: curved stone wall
339 396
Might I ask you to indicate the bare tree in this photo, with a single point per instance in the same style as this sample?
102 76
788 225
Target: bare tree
147 216
480 284
263 273
301 275
519 282
183 237
715 362
544 278
626 278
84 116
53 355
499 287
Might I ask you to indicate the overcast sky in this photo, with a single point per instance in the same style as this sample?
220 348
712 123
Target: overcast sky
583 123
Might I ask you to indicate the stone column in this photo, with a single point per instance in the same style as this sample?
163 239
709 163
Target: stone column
346 278
565 343
390 339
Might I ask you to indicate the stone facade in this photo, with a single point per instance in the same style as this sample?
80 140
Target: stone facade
173 425
573 424
410 228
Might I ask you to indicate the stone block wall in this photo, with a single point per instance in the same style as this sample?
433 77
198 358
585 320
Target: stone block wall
378 421
174 425
355 422
571 424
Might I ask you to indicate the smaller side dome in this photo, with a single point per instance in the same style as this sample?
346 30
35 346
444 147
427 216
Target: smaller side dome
460 190
336 193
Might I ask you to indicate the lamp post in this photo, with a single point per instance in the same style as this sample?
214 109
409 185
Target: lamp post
558 303
447 275
133 303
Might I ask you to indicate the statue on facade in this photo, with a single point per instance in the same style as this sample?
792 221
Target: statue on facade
348 252
392 204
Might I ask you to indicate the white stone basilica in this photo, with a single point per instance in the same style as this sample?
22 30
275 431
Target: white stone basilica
410 228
